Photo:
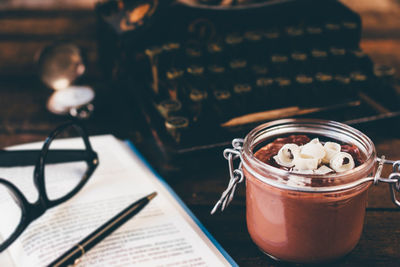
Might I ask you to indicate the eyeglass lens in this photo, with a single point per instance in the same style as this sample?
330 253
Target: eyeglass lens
62 178
10 213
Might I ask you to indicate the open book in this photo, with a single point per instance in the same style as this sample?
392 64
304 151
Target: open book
164 233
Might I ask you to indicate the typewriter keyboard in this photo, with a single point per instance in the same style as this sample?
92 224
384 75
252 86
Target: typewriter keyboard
205 76
247 77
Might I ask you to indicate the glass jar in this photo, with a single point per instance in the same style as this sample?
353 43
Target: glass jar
305 218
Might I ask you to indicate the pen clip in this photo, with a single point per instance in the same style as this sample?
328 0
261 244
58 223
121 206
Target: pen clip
78 260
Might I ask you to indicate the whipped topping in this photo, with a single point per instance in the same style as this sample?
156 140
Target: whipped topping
314 158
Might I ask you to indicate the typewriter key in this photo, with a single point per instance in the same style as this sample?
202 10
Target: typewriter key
385 80
279 64
317 53
238 64
174 73
351 25
277 58
216 53
169 108
272 34
221 95
222 105
315 35
351 32
332 33
359 82
337 51
195 70
233 39
153 51
262 92
214 69
197 98
171 46
295 38
214 48
253 44
324 90
313 30
264 82
358 76
304 94
299 56
193 52
259 69
194 55
281 93
243 98
319 60
197 95
341 84
239 69
176 127
299 62
234 43
332 26
272 40
385 72
360 61
294 31
242 88
216 74
253 36
339 58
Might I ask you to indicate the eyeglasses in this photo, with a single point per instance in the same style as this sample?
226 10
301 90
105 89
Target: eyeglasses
58 175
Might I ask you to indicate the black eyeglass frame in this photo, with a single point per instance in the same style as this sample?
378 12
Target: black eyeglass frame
31 211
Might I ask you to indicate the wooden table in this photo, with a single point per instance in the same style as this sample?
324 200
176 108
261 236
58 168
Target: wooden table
24 118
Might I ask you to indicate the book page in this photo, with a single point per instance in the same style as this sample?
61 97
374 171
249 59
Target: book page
162 234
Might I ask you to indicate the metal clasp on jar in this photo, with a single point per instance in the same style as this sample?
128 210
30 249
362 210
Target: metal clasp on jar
393 180
236 175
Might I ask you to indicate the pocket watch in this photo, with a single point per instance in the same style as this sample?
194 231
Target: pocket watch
60 65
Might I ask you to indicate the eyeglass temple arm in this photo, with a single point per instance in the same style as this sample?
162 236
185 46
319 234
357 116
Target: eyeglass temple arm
11 158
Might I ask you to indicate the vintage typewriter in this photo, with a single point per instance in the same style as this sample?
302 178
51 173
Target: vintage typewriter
204 71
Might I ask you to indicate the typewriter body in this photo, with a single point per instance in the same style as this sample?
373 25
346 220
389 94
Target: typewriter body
203 72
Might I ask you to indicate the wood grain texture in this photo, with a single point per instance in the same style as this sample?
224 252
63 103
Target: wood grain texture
380 19
48 27
9 5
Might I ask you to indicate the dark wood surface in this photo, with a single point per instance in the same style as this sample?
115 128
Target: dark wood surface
24 31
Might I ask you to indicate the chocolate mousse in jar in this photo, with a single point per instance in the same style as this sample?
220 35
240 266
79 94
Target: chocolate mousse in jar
306 187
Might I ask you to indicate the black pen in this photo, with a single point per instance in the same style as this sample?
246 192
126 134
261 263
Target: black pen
73 255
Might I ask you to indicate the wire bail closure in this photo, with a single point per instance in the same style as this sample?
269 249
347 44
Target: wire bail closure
236 175
393 180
